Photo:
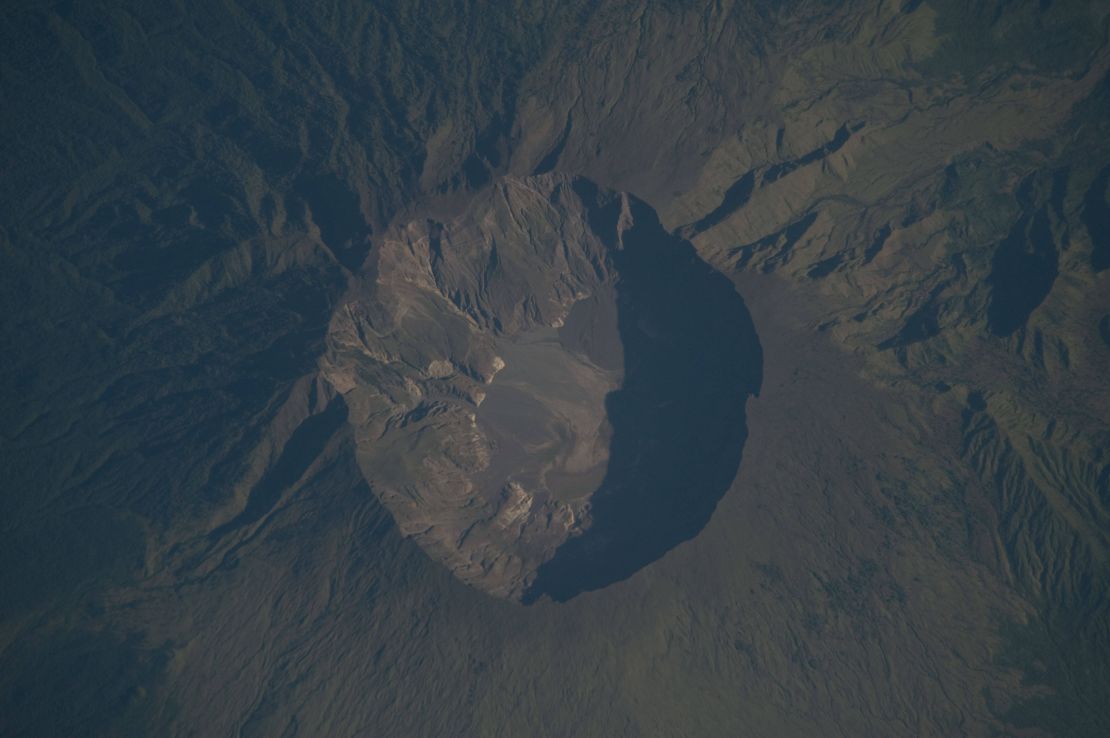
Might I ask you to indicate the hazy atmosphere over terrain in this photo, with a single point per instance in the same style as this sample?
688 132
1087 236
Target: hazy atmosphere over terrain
555 368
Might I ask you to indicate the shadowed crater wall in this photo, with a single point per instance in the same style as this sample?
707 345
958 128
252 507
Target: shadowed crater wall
547 390
691 360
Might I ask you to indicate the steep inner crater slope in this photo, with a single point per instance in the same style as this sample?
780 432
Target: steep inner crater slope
547 390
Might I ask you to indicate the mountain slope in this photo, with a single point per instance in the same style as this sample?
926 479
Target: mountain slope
910 198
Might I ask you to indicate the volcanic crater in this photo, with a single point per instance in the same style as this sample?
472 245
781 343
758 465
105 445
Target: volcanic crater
548 390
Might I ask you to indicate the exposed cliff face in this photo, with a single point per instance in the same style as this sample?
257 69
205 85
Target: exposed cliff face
508 373
445 310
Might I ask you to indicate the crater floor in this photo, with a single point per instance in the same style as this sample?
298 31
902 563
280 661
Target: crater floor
548 391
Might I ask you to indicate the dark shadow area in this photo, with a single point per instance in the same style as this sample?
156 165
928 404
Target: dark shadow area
735 197
877 244
921 325
302 448
740 191
825 267
1023 271
1096 217
784 240
549 161
837 142
336 212
691 360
